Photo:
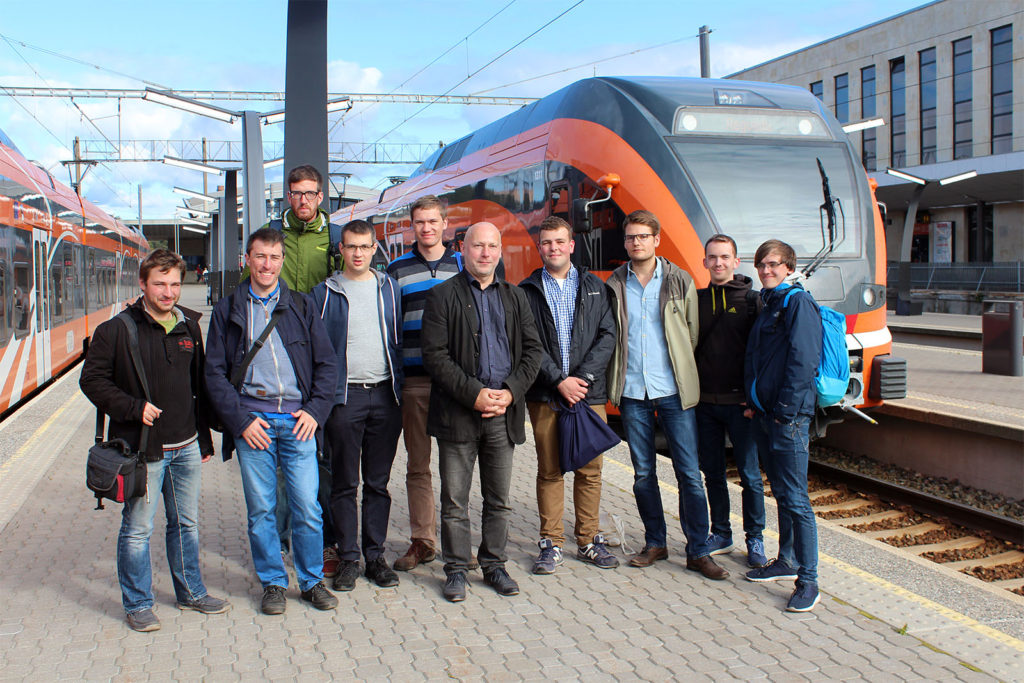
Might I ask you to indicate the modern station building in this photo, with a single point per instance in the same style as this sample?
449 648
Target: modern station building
947 78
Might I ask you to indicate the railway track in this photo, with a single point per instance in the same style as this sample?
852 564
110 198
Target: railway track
982 544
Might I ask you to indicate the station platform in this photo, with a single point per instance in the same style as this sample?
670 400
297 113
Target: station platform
883 615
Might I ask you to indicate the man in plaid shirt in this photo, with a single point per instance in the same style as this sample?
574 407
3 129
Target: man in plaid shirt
577 330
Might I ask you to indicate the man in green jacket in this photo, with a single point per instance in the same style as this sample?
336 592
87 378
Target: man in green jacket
653 380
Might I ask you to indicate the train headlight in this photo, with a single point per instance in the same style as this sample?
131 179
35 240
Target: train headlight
869 296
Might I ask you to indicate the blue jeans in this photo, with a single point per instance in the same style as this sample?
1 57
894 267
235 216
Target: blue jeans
177 477
713 422
680 428
783 449
297 460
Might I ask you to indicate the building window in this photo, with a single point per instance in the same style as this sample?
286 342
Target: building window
817 90
898 112
1002 90
928 103
843 98
867 111
963 129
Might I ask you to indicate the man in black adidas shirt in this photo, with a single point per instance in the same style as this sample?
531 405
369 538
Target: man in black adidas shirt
727 309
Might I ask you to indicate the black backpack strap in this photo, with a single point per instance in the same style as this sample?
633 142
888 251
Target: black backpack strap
100 423
136 354
239 372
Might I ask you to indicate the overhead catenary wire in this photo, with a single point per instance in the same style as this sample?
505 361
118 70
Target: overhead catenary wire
59 55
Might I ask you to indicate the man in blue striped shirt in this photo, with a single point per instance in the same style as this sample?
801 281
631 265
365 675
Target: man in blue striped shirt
427 264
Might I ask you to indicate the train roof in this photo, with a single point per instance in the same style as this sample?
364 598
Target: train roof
660 96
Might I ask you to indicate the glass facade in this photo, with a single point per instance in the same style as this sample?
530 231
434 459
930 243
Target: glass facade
963 98
842 98
1002 90
817 90
868 110
928 105
898 112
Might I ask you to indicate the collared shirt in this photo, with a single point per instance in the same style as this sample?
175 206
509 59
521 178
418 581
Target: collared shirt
495 360
648 366
561 298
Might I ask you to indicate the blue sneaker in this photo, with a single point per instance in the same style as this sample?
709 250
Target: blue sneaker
804 598
718 545
549 558
776 570
597 554
755 553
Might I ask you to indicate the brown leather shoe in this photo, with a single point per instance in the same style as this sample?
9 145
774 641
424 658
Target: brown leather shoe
706 566
648 556
418 553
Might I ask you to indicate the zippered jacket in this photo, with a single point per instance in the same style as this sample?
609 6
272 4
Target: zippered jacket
173 362
783 352
415 279
678 302
305 339
727 314
332 306
591 344
451 354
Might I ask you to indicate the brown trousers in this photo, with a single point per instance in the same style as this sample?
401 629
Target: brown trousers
586 485
418 486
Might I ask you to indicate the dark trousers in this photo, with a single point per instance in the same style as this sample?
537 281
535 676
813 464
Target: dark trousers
363 433
457 461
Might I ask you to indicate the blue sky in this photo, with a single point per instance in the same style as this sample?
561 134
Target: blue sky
372 47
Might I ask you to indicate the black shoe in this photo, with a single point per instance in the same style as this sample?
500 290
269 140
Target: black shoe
143 621
378 571
501 582
455 587
207 605
345 579
274 601
320 597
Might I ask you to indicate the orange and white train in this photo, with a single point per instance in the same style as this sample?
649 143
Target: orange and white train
65 267
751 160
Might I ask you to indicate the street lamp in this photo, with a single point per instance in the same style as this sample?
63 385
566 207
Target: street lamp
903 302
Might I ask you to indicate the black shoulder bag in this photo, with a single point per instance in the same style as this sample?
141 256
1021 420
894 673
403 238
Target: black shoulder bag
112 470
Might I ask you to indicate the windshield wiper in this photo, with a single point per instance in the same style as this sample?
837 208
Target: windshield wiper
833 224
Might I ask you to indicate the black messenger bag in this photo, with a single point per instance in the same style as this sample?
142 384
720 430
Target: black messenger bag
113 471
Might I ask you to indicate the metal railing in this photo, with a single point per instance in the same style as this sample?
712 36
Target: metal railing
970 277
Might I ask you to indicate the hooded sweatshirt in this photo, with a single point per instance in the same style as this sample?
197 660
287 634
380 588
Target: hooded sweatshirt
727 314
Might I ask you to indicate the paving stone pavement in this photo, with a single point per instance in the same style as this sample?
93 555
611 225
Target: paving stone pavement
62 617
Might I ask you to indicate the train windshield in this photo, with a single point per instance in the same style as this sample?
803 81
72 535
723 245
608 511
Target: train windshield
759 189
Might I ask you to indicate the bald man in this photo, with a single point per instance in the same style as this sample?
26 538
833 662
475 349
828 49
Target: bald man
482 352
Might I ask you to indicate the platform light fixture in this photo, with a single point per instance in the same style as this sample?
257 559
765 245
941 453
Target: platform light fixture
190 105
273 162
193 212
190 221
201 232
193 194
192 165
957 178
863 125
905 176
278 115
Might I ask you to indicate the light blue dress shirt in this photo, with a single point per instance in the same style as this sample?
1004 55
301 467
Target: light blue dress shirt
648 366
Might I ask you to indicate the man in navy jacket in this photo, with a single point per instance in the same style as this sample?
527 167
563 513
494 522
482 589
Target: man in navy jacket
782 358
361 310
271 413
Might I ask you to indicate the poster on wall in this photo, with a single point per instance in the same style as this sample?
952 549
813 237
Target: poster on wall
942 238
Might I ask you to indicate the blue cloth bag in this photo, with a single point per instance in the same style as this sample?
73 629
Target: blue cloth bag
582 435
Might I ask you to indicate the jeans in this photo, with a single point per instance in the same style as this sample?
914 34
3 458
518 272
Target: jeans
363 434
783 448
177 477
713 422
457 460
297 460
680 428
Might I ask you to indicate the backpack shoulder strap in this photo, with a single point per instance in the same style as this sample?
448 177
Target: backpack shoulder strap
276 224
335 231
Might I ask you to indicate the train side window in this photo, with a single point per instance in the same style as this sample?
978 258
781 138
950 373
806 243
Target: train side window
57 286
3 301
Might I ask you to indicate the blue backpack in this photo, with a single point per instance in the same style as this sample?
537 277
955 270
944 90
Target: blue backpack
833 376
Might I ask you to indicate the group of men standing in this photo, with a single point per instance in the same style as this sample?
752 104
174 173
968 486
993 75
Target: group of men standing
440 346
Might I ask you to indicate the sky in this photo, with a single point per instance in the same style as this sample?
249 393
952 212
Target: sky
501 47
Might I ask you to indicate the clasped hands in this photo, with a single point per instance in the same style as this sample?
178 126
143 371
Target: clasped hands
492 402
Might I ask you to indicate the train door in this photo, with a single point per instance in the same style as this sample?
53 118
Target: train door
40 257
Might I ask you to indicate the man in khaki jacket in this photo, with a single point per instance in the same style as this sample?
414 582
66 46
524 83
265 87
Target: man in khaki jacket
653 379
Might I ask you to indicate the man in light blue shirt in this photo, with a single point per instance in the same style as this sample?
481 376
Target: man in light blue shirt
653 380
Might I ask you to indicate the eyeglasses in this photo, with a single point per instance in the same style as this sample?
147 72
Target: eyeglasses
769 265
365 248
640 237
310 195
